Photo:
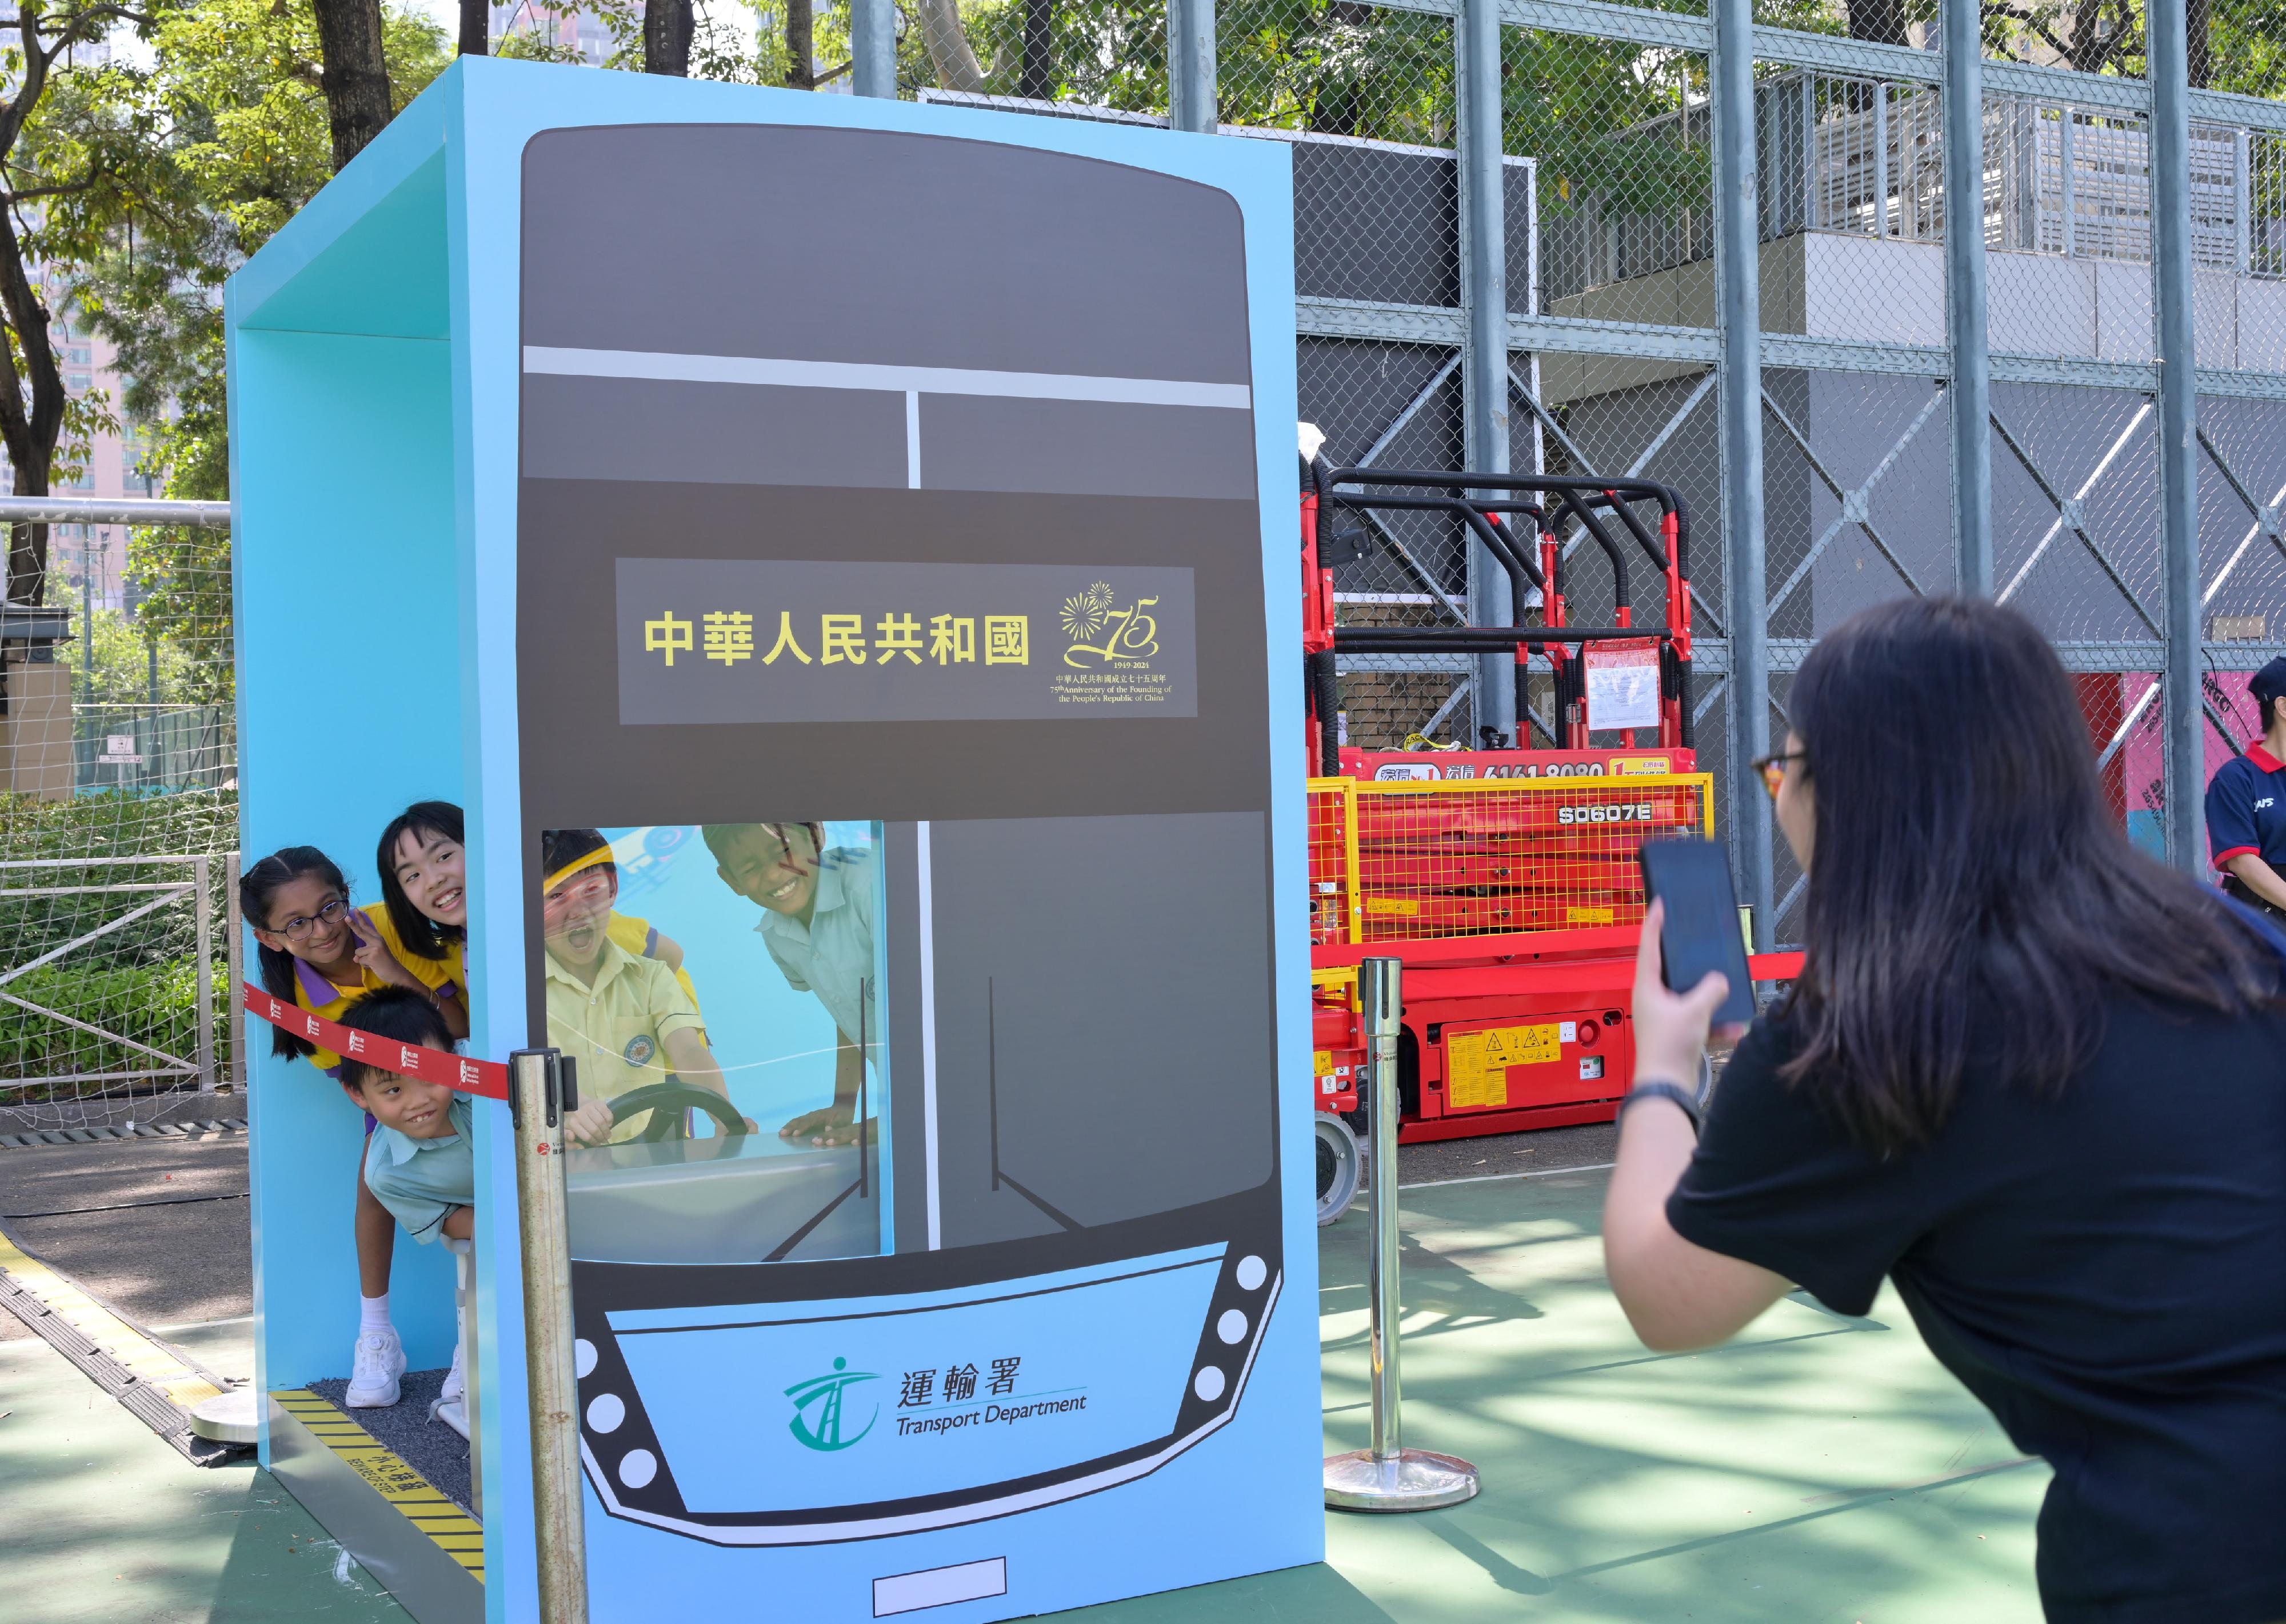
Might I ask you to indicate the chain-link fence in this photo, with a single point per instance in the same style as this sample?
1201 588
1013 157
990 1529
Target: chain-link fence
119 758
1608 213
118 825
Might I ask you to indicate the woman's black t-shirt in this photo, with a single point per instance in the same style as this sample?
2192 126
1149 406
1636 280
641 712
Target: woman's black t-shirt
2105 1269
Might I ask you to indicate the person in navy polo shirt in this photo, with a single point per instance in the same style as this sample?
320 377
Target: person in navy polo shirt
2246 804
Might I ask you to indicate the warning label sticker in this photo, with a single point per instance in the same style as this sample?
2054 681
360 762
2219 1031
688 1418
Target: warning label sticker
1477 1063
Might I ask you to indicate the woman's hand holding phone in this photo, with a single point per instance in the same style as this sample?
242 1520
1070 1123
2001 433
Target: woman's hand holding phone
1672 1029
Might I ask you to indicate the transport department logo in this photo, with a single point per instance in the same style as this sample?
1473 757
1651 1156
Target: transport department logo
817 1410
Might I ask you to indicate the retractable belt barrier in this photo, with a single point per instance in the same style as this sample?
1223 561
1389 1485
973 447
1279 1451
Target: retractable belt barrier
488 1078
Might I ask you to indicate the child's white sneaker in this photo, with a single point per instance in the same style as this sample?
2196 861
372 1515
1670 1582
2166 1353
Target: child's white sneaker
373 1375
456 1380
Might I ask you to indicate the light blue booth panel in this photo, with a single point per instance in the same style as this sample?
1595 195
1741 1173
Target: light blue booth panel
571 398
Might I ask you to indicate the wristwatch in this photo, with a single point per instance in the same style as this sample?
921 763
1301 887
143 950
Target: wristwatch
1663 1091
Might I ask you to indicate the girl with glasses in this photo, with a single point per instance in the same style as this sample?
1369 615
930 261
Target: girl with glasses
321 954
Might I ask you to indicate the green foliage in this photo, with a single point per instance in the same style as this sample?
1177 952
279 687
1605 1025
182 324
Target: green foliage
119 671
151 1003
109 825
210 149
112 825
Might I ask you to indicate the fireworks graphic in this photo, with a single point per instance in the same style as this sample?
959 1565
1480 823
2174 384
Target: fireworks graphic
1083 611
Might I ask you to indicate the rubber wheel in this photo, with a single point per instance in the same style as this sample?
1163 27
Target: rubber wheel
1340 1163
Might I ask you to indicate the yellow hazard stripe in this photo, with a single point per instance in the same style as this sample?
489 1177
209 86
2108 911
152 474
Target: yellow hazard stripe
452 1530
153 1362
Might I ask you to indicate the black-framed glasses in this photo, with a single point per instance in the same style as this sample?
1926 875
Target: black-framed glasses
301 925
1772 768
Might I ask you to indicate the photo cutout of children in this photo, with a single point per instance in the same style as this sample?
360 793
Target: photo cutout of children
818 910
630 1020
775 923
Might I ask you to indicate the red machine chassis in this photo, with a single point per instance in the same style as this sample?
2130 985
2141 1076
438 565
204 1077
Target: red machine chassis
1531 1029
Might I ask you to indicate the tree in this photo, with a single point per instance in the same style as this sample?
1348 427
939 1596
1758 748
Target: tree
800 46
39 176
206 153
950 54
1039 50
667 37
355 74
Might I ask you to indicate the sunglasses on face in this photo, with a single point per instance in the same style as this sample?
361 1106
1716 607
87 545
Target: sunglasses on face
586 888
1772 769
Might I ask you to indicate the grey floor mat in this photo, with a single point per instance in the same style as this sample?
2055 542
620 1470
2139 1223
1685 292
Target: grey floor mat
404 1429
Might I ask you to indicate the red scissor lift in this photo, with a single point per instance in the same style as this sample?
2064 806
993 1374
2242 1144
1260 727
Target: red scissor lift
1504 877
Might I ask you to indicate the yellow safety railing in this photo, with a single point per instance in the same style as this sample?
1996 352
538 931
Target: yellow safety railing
1426 859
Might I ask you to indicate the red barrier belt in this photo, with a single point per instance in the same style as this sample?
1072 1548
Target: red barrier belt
488 1078
1774 966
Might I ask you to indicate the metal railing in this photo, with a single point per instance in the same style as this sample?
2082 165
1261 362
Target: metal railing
198 1067
1865 157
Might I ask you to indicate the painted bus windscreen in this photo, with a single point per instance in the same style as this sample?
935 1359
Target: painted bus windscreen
896 768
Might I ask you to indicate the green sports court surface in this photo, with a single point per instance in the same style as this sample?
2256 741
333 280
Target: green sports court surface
1817 1468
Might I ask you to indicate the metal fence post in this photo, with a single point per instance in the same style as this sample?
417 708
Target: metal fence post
1737 274
1388 1476
232 950
2184 725
1192 87
1963 295
1484 301
540 1095
873 48
202 877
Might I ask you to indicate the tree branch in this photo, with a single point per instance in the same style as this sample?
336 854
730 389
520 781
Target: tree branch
10 199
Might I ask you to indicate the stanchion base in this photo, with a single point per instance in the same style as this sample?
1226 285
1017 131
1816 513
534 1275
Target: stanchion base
1415 1480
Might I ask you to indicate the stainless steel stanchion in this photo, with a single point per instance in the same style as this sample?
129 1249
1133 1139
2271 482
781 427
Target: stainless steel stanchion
541 1092
1388 1476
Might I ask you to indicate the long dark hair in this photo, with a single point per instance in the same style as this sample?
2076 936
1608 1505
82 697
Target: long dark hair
256 888
1968 893
438 819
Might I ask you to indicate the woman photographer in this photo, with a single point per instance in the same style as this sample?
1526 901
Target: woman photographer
2035 1078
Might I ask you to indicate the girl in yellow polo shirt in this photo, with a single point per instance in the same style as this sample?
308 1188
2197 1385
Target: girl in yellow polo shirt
323 955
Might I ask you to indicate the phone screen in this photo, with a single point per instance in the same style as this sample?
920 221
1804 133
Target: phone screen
1700 931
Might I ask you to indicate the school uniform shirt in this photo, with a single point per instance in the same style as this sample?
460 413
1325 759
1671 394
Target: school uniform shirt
618 1028
2104 1268
321 997
640 938
832 955
2246 809
455 961
420 1181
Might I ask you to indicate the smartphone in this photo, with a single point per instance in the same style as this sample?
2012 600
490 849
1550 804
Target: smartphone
1700 931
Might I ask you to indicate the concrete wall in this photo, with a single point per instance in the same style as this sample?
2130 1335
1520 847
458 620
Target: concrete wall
35 738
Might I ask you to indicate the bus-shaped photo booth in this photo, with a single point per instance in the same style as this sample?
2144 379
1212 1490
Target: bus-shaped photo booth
841 545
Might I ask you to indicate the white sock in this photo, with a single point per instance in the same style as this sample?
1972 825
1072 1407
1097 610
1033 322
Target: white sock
372 1314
